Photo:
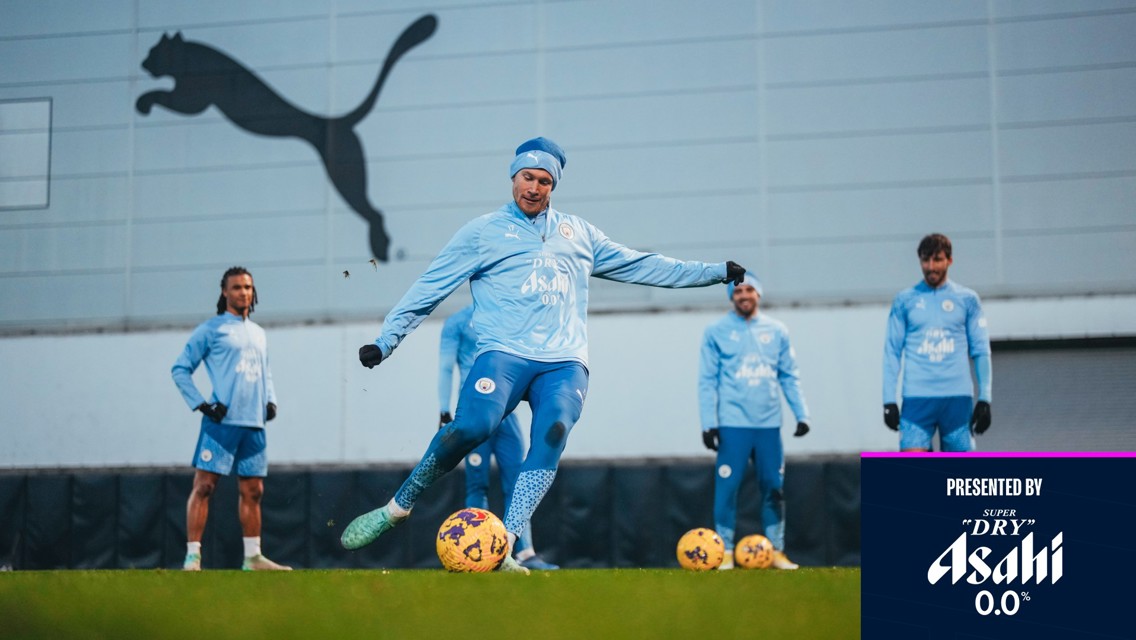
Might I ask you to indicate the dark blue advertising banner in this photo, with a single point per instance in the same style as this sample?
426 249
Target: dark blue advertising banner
998 545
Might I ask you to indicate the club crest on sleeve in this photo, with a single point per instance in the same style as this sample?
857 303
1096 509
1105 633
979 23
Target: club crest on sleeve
206 455
725 471
474 459
485 385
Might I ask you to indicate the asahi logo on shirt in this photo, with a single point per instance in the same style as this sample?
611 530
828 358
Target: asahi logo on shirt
249 365
937 344
753 371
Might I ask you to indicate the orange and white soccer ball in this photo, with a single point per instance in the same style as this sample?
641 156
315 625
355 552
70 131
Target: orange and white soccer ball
472 541
700 550
754 552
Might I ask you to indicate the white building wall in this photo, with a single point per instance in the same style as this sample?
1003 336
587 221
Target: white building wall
814 142
108 400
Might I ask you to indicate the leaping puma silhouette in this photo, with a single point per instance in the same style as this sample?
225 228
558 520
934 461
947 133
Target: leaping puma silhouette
205 76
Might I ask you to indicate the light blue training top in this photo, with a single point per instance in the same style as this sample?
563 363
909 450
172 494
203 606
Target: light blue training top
744 368
936 332
235 353
530 282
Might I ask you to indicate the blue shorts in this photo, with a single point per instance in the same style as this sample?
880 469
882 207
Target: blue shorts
919 418
220 446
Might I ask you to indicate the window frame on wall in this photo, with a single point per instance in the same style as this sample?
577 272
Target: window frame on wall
38 129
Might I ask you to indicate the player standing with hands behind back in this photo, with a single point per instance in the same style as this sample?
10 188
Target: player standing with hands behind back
235 352
935 329
746 364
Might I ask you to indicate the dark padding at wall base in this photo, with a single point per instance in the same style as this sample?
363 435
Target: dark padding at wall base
597 514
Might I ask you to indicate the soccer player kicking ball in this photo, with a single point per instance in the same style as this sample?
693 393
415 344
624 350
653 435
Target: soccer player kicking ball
235 353
458 348
745 365
528 266
936 328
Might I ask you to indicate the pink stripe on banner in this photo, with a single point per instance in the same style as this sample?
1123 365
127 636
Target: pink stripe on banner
1000 454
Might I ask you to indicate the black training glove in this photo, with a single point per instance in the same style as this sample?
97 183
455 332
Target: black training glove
270 412
980 419
370 355
445 419
710 439
734 272
802 429
891 416
215 412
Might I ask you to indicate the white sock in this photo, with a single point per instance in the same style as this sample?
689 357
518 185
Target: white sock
252 546
525 555
512 538
193 547
396 510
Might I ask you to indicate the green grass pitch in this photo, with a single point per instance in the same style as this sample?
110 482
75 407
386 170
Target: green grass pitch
589 603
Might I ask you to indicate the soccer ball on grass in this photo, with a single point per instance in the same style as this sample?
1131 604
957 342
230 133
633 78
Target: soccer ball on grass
472 541
700 550
754 552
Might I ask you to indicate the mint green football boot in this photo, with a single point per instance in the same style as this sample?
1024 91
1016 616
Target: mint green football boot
192 562
368 527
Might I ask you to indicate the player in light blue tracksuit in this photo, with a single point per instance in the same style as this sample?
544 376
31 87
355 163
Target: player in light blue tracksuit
235 352
746 365
528 266
459 348
936 329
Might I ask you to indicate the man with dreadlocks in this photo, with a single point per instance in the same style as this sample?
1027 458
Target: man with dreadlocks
235 353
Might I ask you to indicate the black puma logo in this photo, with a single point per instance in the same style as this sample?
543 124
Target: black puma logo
205 76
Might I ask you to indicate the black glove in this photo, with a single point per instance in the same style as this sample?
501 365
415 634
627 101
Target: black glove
980 419
891 416
802 429
215 412
445 419
370 355
270 410
734 272
710 439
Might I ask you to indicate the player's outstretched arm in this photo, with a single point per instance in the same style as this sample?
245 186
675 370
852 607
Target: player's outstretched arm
370 355
735 272
614 261
452 267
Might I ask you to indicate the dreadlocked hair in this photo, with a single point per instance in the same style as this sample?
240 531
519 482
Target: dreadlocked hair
222 305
